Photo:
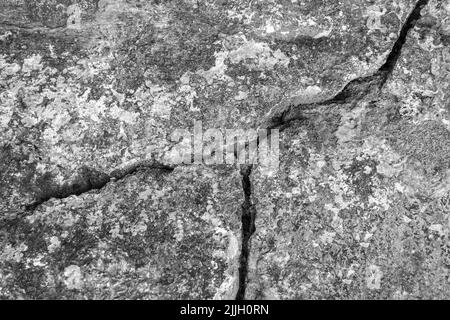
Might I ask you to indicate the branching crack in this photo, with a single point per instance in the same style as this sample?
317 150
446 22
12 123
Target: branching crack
93 180
356 89
248 228
353 92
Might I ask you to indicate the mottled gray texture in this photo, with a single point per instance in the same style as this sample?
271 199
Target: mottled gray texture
90 92
360 208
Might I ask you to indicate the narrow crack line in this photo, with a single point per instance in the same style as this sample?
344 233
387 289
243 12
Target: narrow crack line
356 89
93 180
353 92
248 228
389 66
31 28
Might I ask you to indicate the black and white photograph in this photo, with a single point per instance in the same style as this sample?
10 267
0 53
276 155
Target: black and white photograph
239 152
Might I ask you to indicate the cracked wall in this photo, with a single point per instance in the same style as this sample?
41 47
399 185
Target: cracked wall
94 207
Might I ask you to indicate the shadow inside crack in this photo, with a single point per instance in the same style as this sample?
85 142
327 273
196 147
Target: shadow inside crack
356 89
87 180
248 229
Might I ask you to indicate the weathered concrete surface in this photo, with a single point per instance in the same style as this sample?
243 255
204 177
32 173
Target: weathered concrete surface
152 235
360 208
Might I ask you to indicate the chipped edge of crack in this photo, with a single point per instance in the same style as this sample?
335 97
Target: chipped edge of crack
248 229
75 189
356 89
353 91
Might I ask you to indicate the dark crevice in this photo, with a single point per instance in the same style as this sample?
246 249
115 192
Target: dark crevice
353 92
248 228
356 89
31 27
395 53
93 180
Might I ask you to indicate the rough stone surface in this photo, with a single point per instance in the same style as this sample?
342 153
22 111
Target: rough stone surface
92 206
360 206
88 87
151 235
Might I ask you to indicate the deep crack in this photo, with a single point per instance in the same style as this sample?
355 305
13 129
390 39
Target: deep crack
356 89
394 55
248 228
31 28
90 180
353 92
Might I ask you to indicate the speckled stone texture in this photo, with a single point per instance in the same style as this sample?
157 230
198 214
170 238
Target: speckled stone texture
152 235
92 205
360 207
100 85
